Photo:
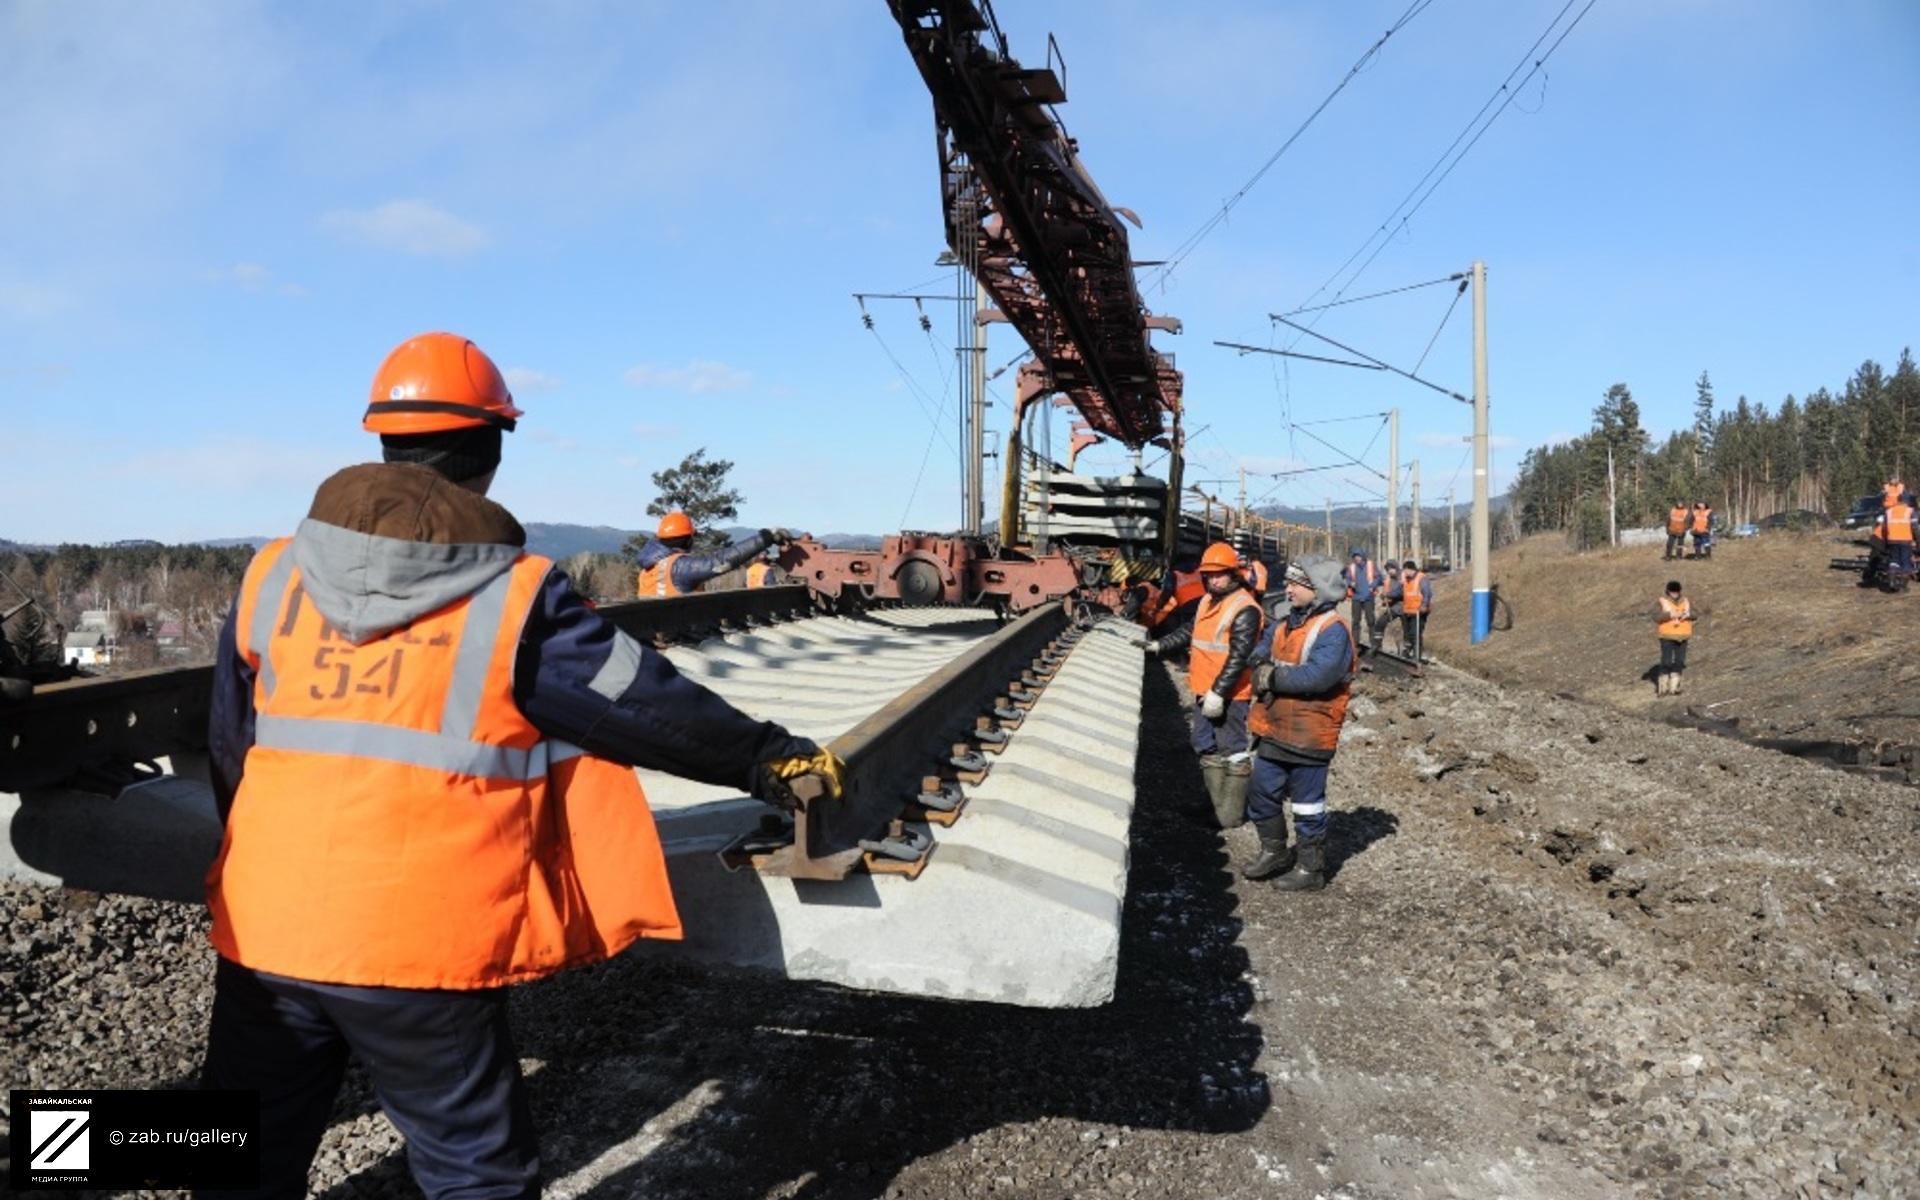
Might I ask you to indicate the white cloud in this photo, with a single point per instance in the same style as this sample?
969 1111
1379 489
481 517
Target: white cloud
698 378
252 277
409 226
528 380
24 300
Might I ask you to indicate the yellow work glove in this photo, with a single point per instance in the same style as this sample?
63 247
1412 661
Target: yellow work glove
776 779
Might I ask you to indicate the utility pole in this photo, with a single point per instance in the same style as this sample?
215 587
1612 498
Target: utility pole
1241 522
1453 547
977 434
1393 485
1413 519
1329 526
1481 526
1613 518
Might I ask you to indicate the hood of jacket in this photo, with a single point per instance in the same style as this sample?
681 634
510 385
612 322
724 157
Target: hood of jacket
387 543
654 553
1329 585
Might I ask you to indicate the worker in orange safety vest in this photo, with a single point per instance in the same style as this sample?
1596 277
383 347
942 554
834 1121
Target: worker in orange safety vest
1675 629
1677 520
1301 683
421 742
1220 646
669 567
1702 527
1894 530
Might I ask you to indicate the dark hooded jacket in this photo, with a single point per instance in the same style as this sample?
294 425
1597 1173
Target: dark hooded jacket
386 543
691 570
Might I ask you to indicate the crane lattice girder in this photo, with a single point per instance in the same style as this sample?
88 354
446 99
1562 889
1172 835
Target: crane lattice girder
1050 249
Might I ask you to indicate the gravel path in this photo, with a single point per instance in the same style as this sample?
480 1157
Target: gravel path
1568 953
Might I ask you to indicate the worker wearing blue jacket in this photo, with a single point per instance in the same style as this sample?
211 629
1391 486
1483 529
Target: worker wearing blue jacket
1363 580
669 567
1301 683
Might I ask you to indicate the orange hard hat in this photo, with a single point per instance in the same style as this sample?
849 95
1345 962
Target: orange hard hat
436 382
1219 557
675 524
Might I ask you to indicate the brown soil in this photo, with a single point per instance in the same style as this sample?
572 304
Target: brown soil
1786 647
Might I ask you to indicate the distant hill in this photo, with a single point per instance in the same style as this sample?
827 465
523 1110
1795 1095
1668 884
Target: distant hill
557 541
1364 517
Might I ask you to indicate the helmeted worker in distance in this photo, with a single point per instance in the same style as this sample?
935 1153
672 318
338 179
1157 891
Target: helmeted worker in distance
1678 519
1891 494
1894 531
1255 574
1676 630
421 741
761 572
1220 646
1363 580
669 567
1411 594
1180 596
1702 528
1301 683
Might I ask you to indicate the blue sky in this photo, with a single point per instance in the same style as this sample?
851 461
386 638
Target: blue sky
219 217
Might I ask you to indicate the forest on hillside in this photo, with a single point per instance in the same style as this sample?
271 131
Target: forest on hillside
1822 451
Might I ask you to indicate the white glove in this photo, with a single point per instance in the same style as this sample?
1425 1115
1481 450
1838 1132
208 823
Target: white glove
1213 706
1147 644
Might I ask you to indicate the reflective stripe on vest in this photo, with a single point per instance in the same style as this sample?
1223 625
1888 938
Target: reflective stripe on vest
1307 723
1898 522
1412 601
400 823
1213 639
1676 623
657 580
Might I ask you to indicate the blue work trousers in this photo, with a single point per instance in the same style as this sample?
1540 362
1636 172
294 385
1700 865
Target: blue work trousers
442 1065
1306 786
1227 736
1900 557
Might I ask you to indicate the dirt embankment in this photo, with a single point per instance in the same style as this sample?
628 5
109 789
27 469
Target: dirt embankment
1785 648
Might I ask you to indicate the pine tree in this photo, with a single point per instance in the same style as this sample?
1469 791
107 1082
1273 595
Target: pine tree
697 487
1702 421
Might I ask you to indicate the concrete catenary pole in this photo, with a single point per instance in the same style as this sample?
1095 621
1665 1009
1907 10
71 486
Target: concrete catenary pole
1453 547
1613 507
977 431
1481 527
1413 519
1393 485
1329 526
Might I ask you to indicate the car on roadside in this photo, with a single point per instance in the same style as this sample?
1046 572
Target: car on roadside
1866 510
1796 520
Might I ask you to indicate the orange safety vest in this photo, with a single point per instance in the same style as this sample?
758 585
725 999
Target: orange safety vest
1373 576
1411 601
1257 576
1212 632
757 573
1677 520
1146 614
1897 519
1306 722
1702 519
657 580
1186 587
400 823
1676 620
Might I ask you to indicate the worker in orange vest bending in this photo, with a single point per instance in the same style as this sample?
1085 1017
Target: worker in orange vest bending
1301 682
1220 646
668 566
1676 629
421 741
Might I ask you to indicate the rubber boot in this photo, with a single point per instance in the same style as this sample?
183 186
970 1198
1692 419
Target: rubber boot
1309 873
1662 684
1213 773
1276 857
1230 807
1676 684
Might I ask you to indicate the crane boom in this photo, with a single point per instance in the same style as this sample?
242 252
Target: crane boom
1025 215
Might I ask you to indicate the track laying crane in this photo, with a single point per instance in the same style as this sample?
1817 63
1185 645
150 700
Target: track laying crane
1026 219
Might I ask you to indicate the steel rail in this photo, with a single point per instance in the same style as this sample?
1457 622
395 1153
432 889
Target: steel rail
95 731
893 749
